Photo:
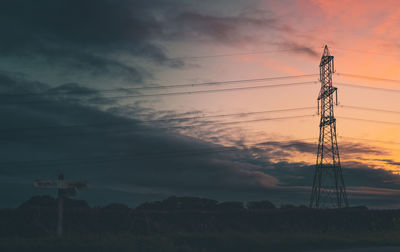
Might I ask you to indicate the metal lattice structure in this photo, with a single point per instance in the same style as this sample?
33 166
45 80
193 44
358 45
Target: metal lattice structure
328 189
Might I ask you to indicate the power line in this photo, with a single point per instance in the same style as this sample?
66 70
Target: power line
131 156
174 93
217 90
368 120
362 51
367 77
270 52
164 128
370 109
105 124
370 140
201 124
203 91
160 86
234 54
156 120
169 154
368 87
172 154
206 91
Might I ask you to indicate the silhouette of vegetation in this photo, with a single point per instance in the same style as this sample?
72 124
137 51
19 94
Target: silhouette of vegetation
194 224
230 206
260 205
180 203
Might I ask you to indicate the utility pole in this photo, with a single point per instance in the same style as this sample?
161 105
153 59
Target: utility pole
60 194
64 189
328 189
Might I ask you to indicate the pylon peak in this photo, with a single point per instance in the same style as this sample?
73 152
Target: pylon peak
326 51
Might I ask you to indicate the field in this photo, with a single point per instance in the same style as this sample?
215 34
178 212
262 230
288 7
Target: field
201 242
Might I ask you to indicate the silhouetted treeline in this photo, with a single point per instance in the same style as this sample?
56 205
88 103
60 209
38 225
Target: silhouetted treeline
38 216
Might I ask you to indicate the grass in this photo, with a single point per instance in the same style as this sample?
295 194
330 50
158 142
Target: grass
200 242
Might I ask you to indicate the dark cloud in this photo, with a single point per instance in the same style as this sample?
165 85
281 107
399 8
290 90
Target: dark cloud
347 149
72 88
84 33
366 184
79 59
392 162
245 28
86 23
112 152
222 29
19 92
300 48
131 162
95 35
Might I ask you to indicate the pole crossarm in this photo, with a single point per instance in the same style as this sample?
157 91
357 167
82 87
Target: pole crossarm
64 189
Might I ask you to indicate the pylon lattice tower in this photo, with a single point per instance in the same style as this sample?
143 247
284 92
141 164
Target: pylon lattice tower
328 189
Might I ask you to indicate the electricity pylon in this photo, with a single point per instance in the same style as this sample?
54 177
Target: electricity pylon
328 189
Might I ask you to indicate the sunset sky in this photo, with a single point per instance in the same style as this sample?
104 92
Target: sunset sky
78 89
